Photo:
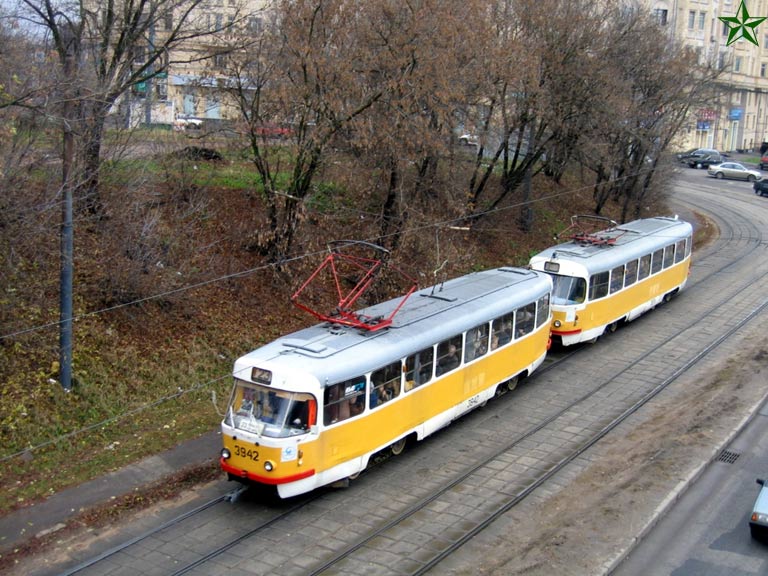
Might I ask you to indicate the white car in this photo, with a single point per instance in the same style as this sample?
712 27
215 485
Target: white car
734 170
183 123
758 521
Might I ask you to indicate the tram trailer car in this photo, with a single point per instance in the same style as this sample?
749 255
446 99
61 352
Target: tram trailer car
311 408
626 271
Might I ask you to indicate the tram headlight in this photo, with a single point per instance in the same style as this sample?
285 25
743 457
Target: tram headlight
558 323
225 453
269 466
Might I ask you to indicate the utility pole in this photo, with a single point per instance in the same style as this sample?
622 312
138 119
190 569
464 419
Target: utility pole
67 231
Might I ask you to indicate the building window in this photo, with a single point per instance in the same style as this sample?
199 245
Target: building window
661 16
737 64
702 19
692 19
168 20
726 28
763 67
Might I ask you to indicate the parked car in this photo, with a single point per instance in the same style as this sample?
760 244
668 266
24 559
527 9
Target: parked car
734 170
758 520
764 162
761 187
695 153
187 123
705 160
468 140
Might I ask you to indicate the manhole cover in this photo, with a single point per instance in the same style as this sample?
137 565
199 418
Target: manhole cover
728 457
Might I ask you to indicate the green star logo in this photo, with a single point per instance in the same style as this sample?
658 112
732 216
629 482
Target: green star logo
742 26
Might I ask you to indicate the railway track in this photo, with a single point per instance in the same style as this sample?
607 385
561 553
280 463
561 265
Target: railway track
410 515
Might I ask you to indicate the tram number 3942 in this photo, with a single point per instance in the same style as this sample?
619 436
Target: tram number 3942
474 401
244 452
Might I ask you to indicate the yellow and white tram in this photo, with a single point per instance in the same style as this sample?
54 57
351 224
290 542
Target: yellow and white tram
615 275
311 408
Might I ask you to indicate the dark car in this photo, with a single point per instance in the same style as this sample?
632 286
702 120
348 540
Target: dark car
761 187
695 153
704 160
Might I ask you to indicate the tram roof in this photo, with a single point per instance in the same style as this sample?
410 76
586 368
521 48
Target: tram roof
630 240
334 353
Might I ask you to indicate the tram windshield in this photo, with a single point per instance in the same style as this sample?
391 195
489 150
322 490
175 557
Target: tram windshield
568 289
270 412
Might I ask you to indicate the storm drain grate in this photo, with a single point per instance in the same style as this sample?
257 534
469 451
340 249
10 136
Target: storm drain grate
728 457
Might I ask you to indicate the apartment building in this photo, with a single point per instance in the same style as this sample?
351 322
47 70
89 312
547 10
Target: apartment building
189 88
739 118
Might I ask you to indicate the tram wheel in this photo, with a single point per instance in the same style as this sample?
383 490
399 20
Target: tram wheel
667 297
512 383
354 476
612 326
398 447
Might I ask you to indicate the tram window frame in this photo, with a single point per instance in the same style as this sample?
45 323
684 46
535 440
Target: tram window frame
598 285
385 384
338 399
501 329
644 270
476 343
680 251
542 310
419 368
525 320
669 255
442 365
657 261
617 279
630 273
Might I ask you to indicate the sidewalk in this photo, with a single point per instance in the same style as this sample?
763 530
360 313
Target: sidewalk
53 513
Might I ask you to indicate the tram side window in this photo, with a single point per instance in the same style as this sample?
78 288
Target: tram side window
502 330
418 368
598 285
645 267
543 310
669 255
657 261
617 278
385 383
448 355
679 251
630 276
344 400
477 342
688 246
525 319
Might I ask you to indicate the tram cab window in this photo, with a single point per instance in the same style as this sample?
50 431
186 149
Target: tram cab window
525 319
657 261
344 400
418 368
542 315
502 330
645 267
385 383
477 343
617 278
688 246
568 290
630 273
448 354
669 255
679 251
598 285
270 412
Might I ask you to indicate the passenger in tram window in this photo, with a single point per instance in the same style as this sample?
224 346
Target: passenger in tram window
448 362
357 406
